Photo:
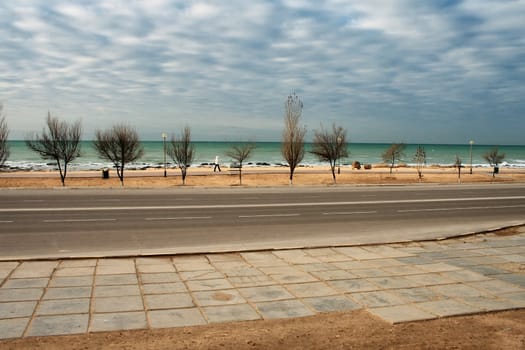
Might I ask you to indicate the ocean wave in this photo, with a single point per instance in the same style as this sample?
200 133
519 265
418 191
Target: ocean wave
95 166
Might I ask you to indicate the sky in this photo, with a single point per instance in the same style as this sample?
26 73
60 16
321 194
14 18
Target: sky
436 71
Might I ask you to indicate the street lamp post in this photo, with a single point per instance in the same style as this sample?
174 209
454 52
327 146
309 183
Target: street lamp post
471 143
164 136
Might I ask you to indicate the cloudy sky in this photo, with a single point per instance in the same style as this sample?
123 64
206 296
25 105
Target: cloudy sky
439 71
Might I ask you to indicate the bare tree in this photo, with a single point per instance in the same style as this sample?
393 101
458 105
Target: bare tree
494 158
292 147
120 145
181 150
394 153
4 134
60 142
420 157
240 153
330 146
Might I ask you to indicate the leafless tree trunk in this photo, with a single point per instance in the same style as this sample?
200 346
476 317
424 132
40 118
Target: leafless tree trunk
394 153
182 151
60 142
420 157
330 146
240 153
494 158
4 134
120 145
292 147
458 164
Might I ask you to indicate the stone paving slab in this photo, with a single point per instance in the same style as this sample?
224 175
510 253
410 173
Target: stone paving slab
78 263
115 291
118 321
456 290
333 275
227 313
265 293
74 271
118 303
164 288
354 285
218 297
464 276
358 253
378 298
71 281
162 277
212 284
17 309
429 279
200 275
514 278
156 268
284 309
417 295
68 292
26 283
332 303
13 327
34 269
402 313
312 289
176 318
448 307
518 299
58 325
61 307
488 303
397 282
113 280
168 301
496 287
251 281
394 282
7 295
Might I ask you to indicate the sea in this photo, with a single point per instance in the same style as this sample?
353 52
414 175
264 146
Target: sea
268 154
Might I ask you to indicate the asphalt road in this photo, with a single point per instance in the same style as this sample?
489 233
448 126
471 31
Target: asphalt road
116 222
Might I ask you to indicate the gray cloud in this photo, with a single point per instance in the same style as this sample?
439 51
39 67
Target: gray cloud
403 70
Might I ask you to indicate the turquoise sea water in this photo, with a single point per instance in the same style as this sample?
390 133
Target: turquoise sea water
269 153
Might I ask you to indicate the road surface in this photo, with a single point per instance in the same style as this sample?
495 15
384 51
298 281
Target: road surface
118 222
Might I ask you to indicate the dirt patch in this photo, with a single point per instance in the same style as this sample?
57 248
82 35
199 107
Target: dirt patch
222 296
503 330
512 267
511 231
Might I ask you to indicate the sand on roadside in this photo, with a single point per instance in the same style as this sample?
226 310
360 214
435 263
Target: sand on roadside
258 176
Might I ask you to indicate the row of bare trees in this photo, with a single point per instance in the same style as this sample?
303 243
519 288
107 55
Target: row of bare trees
328 145
60 141
395 153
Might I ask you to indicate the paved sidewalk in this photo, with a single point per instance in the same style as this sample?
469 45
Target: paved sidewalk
397 282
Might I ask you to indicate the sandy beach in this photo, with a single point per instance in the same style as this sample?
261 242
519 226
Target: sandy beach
258 177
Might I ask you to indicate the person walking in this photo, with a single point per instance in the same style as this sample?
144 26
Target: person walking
217 166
